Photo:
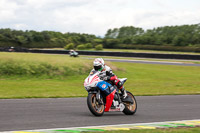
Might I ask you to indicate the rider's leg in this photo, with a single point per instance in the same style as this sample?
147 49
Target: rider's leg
119 85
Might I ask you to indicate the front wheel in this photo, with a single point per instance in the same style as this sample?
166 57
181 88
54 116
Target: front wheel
96 107
130 108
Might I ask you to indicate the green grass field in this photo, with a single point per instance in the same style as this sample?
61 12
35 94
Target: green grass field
143 79
172 130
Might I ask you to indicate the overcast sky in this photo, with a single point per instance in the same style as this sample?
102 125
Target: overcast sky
96 16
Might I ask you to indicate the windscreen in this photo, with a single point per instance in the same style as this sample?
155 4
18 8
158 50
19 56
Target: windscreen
93 72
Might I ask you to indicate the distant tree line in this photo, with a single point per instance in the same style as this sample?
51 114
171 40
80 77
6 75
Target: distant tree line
184 35
44 39
178 38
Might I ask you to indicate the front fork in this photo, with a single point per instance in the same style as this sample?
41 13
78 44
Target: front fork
98 98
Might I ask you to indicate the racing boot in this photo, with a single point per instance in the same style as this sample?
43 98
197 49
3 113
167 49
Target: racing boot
125 97
123 91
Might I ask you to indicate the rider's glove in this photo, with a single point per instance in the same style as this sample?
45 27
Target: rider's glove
106 78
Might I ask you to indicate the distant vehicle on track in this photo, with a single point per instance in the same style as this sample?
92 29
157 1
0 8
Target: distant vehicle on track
73 53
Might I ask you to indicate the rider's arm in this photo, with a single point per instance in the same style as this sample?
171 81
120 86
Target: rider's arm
109 73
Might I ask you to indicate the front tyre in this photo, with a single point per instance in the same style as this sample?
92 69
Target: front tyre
94 106
130 108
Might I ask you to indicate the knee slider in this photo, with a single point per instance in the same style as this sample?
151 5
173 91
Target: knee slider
119 84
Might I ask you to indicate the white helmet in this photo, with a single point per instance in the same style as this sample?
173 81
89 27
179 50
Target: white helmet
98 64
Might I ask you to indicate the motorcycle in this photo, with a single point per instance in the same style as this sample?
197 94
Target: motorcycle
105 97
73 54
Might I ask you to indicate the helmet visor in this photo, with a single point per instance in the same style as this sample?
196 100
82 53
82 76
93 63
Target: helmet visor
97 67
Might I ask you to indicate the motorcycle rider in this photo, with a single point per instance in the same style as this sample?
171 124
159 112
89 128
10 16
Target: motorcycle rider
73 53
108 75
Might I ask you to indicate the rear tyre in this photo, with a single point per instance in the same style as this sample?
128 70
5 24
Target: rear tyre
130 108
94 106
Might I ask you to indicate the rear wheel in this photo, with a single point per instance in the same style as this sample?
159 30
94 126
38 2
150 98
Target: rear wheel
96 107
130 108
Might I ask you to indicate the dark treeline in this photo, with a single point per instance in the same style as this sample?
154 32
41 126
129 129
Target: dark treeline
44 39
184 35
178 38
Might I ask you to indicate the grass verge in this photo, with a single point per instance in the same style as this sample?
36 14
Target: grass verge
27 64
171 130
143 79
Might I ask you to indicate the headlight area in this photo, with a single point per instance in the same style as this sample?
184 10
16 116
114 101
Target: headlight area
87 88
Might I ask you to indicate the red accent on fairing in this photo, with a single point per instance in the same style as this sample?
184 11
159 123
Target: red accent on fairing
94 79
109 100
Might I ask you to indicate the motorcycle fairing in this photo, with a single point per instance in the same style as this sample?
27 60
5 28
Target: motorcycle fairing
109 100
105 87
109 91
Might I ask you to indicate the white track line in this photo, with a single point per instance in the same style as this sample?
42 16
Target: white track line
102 126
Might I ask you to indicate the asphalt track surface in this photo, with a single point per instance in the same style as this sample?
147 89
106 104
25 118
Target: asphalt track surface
162 62
27 114
155 62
